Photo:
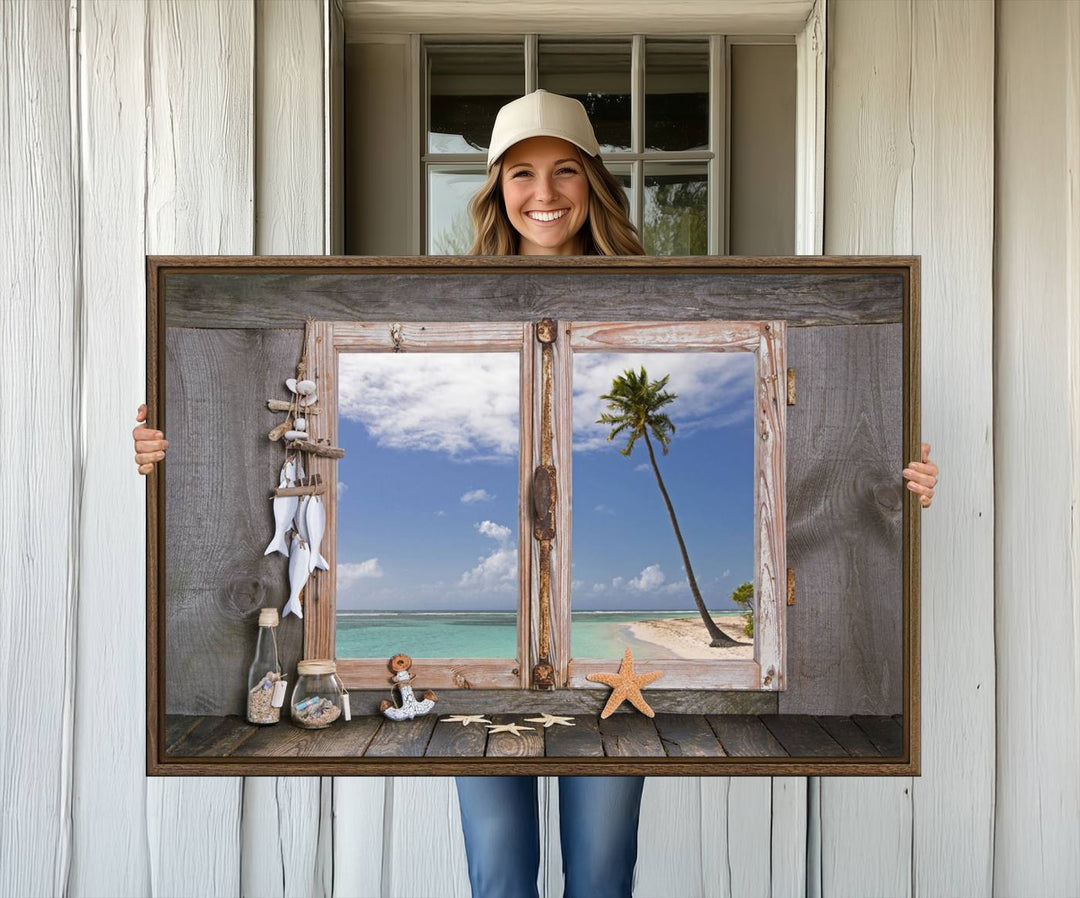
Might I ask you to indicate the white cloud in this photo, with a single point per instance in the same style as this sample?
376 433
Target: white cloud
644 466
651 578
350 572
496 571
342 488
473 496
617 582
727 573
604 509
439 513
714 389
464 404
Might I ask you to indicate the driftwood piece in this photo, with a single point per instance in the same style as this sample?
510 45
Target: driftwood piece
280 405
306 486
319 449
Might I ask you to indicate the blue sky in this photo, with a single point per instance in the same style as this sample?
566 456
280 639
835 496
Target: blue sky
428 487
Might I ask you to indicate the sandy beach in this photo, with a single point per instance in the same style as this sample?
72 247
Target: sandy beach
686 637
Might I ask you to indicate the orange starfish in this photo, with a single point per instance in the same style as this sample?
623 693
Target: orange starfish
626 685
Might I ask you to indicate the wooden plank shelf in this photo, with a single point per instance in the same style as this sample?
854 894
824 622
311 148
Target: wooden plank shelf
623 735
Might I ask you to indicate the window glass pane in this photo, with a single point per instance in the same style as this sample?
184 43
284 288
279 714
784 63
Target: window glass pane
428 505
629 586
623 175
676 209
597 74
466 86
676 95
450 188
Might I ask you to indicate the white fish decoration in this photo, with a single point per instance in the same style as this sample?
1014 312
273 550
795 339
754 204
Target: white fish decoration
301 518
305 387
288 473
316 525
302 529
284 512
298 576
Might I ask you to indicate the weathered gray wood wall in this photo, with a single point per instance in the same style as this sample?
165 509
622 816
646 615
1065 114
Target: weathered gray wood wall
843 459
914 147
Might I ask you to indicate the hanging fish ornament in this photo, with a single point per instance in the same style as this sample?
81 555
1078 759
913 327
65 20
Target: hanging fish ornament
316 526
298 575
288 471
284 512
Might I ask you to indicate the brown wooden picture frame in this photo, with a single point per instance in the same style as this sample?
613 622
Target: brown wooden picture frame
854 321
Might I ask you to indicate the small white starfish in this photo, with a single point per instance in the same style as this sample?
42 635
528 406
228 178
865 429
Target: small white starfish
466 719
508 728
548 719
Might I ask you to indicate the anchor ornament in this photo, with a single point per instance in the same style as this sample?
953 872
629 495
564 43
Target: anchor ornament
409 706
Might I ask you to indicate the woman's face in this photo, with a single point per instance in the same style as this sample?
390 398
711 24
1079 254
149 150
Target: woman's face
546 195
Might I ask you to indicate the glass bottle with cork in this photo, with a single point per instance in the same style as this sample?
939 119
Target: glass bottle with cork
266 685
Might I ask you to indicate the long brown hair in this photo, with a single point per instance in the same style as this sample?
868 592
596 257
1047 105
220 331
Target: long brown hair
607 231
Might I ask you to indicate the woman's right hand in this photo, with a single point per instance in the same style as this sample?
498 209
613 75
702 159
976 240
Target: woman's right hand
150 444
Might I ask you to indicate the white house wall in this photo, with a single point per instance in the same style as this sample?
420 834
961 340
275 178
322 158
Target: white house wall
40 477
909 169
164 127
1036 450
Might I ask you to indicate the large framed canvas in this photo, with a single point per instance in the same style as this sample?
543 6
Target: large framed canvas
438 515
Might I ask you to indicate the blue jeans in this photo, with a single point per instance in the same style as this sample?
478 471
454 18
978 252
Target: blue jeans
598 822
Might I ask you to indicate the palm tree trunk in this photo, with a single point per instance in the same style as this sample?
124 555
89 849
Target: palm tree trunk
719 637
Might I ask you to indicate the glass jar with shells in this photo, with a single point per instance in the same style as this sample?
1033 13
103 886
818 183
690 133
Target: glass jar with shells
319 697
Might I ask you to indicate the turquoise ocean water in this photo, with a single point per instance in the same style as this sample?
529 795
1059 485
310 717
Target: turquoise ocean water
488 634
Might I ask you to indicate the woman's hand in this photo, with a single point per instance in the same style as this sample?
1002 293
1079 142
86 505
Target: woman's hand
922 477
150 444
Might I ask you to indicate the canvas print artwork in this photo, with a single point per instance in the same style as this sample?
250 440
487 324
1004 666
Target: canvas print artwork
520 517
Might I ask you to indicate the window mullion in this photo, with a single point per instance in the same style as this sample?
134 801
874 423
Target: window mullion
532 56
717 186
637 128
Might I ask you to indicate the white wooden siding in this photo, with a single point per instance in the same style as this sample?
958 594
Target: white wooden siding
909 151
1037 453
134 127
40 477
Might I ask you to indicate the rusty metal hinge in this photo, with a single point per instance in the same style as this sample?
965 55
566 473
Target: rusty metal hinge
790 386
791 586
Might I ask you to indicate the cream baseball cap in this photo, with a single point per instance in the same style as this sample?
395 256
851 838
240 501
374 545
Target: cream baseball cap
541 114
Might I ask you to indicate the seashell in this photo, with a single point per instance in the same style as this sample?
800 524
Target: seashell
305 387
295 435
291 384
310 399
300 424
276 433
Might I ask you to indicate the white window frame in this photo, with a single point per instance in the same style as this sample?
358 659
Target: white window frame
809 41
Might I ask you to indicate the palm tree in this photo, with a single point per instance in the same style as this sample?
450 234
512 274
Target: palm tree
634 406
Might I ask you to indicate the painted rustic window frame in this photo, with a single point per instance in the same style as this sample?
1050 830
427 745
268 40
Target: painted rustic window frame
766 671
